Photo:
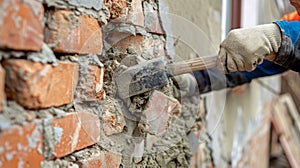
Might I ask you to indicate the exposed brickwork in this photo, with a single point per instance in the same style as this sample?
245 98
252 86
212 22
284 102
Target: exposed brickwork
22 146
159 110
78 130
102 159
69 114
34 85
74 34
2 83
21 24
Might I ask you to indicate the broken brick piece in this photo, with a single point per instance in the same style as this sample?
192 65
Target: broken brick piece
152 22
35 85
135 42
22 146
101 159
90 87
2 83
21 25
74 34
148 46
158 111
134 15
116 7
112 122
75 131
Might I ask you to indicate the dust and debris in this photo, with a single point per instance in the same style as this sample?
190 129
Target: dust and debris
58 163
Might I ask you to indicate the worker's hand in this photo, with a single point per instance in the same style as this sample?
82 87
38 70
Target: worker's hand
185 85
243 49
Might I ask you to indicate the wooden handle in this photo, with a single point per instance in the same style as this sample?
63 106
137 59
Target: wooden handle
193 65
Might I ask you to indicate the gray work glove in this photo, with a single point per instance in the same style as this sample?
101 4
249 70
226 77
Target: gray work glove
288 55
185 85
245 48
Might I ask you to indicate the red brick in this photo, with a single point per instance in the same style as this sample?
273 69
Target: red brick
158 111
141 44
2 83
79 130
22 146
131 41
102 159
35 85
91 85
74 34
134 15
21 24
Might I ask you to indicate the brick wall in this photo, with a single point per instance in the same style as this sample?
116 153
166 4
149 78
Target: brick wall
58 100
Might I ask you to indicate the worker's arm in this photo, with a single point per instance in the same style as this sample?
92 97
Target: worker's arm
213 79
288 55
244 49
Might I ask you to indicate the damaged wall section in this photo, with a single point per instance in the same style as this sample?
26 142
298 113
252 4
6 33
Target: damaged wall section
58 97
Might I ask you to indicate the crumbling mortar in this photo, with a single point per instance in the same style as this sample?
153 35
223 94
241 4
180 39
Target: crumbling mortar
102 14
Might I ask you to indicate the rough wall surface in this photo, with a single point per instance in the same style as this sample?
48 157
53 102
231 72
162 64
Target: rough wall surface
59 102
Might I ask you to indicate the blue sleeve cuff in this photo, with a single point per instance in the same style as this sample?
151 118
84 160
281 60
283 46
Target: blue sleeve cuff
292 29
267 68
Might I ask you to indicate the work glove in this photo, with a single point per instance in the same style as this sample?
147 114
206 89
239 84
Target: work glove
243 49
185 85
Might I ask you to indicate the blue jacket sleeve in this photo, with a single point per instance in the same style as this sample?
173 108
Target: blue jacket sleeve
213 79
267 68
288 55
292 29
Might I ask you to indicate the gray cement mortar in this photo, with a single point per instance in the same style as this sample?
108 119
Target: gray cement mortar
92 8
45 56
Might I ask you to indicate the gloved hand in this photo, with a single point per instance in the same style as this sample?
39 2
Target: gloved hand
185 85
243 49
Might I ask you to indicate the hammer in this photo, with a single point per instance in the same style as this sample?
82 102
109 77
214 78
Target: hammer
154 74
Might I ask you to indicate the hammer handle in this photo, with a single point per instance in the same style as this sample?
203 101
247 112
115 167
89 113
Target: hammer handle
193 65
